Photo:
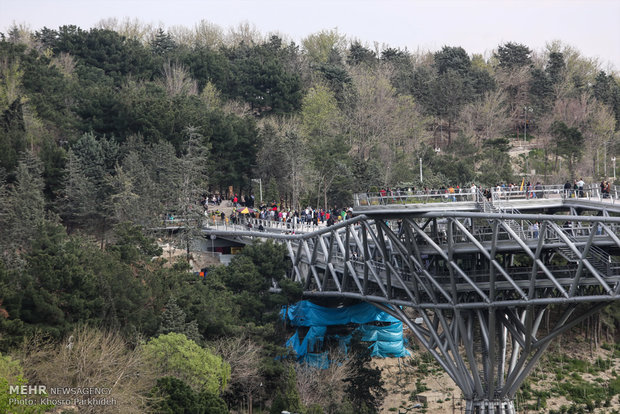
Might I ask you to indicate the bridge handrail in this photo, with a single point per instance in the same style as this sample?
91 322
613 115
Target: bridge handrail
554 191
408 197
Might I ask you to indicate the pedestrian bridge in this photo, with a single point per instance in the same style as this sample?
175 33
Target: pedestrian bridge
478 272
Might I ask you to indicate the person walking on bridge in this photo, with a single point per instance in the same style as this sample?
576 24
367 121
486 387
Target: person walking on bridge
580 185
567 187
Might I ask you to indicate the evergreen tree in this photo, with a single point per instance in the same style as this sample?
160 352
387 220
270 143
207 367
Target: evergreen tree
22 208
162 43
173 320
192 183
88 190
513 55
364 385
569 144
173 396
360 55
287 397
12 136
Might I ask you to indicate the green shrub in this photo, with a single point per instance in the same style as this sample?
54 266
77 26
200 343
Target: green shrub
614 386
11 374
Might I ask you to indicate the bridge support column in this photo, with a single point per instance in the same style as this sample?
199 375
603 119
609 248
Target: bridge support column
490 407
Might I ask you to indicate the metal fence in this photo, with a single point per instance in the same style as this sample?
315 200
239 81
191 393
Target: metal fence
499 193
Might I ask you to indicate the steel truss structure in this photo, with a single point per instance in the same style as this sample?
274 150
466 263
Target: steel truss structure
472 287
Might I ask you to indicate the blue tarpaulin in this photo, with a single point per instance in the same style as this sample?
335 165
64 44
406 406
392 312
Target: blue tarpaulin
383 331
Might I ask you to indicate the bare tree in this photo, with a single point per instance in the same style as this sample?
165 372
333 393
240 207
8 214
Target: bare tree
245 32
177 80
381 123
244 357
91 358
128 27
324 387
208 34
487 118
280 157
516 84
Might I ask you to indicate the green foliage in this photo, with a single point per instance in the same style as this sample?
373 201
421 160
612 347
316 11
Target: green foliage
495 165
569 143
172 395
234 140
67 281
364 385
513 55
360 55
11 374
260 77
53 158
12 135
287 397
173 320
116 56
22 209
132 245
182 358
580 391
88 192
452 58
270 259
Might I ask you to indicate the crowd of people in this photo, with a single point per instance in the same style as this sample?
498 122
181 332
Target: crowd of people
244 209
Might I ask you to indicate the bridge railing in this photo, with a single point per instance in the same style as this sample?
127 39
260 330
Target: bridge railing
262 225
498 193
408 197
596 193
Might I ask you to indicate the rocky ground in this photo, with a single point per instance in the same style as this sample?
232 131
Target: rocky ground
418 385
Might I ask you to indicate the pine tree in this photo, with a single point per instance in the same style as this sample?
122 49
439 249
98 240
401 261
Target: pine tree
287 398
173 320
22 207
364 385
193 180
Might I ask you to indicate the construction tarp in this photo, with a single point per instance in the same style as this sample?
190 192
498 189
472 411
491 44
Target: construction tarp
306 313
381 330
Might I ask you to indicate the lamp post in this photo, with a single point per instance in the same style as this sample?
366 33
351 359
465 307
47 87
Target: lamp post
614 161
526 109
260 187
213 237
421 181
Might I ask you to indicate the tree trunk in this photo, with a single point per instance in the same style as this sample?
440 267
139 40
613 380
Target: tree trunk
325 195
103 233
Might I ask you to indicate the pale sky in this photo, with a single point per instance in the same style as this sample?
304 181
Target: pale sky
479 26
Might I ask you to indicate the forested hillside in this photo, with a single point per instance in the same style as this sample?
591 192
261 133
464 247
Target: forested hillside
103 131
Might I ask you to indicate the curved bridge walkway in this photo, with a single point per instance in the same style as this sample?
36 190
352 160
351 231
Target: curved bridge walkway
472 279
